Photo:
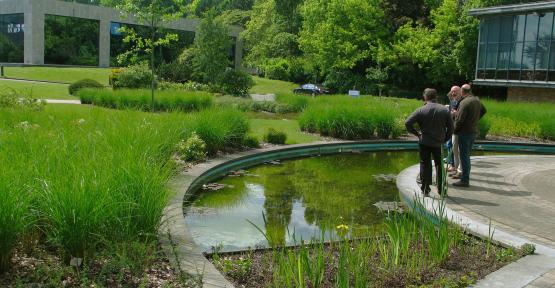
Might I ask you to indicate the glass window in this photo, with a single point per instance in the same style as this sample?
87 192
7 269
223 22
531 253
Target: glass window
546 23
11 38
506 29
516 55
70 41
504 56
482 56
491 56
542 54
518 28
529 57
531 27
483 32
493 30
552 57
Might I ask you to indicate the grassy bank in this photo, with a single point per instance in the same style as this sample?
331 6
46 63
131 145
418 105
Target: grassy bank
59 74
165 100
86 181
39 90
269 86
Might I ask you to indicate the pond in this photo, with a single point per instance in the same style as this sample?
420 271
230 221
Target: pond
297 199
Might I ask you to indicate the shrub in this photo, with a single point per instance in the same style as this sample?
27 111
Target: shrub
167 100
81 84
251 142
275 137
175 72
221 129
193 149
137 76
484 127
235 82
277 69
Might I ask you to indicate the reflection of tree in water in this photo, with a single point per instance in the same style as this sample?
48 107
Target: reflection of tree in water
228 197
278 205
341 188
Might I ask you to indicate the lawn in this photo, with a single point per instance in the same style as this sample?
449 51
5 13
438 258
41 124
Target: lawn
58 74
289 126
267 86
39 90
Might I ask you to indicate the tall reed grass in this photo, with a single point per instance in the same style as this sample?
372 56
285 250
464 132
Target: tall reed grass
89 177
140 99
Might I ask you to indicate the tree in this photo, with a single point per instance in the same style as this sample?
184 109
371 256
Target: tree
212 45
153 14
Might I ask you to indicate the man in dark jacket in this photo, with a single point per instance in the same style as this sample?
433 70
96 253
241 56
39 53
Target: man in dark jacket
471 110
436 127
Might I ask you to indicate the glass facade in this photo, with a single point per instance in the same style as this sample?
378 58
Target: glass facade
71 41
12 29
517 47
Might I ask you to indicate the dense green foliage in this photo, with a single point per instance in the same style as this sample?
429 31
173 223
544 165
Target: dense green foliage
275 137
136 76
166 100
89 178
81 84
235 82
70 41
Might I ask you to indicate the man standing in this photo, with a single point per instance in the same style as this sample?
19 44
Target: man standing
468 116
436 127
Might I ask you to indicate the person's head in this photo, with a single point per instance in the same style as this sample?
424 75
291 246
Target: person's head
466 90
430 94
454 93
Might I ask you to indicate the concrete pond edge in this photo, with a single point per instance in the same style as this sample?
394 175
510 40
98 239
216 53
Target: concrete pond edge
178 244
520 273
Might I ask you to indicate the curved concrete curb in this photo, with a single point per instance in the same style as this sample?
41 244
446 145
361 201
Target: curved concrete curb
178 244
518 274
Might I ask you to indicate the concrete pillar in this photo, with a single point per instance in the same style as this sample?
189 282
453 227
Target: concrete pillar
238 53
104 43
34 33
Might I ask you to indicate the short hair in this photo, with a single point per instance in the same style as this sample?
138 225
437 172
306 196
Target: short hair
466 89
430 94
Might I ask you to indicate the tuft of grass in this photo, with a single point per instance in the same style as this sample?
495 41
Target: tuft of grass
165 100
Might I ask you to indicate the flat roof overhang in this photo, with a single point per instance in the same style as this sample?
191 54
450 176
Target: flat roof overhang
514 9
510 83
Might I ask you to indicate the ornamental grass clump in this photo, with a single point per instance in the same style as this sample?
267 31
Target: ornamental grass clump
140 99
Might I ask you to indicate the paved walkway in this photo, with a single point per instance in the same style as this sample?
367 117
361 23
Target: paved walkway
517 194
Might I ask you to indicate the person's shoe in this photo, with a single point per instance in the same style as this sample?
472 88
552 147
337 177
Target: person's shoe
461 184
456 176
426 191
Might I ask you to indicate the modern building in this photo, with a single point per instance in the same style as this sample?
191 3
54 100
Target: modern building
54 32
516 49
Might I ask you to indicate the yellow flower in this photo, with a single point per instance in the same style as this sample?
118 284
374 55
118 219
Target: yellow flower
342 227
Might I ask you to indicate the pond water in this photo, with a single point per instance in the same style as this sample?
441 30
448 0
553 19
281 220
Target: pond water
298 199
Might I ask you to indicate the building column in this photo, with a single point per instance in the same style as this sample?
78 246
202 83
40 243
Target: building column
104 43
34 33
238 52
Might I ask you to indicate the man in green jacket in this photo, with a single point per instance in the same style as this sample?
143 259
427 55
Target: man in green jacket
471 110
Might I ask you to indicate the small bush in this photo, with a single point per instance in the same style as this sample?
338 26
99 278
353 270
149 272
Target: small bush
484 127
528 249
12 98
81 84
275 137
277 69
235 82
251 142
175 72
192 149
221 129
137 76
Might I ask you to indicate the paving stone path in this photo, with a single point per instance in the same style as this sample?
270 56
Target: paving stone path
516 194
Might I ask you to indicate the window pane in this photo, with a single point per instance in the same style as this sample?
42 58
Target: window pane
516 55
491 56
70 41
552 57
531 27
11 38
482 56
503 58
483 31
518 28
542 53
529 57
545 26
506 29
493 30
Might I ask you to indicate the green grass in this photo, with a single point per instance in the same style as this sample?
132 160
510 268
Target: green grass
40 90
58 74
268 86
141 99
259 127
89 177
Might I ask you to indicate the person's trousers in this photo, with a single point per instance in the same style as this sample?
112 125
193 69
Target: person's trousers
426 155
466 140
456 153
449 146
